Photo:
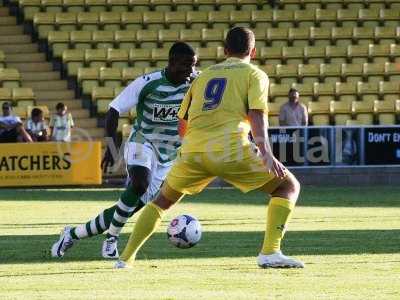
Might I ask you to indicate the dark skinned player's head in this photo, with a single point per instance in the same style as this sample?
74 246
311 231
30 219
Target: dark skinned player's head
181 61
240 42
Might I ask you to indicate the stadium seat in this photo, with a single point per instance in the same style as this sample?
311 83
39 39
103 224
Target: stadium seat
373 72
308 73
140 57
340 112
306 91
96 58
369 17
363 35
29 8
110 20
389 90
363 112
51 6
212 37
118 58
299 36
277 37
270 70
161 5
228 5
271 55
74 5
392 71
282 18
88 21
5 95
191 36
9 78
351 72
249 5
23 96
110 77
320 36
58 42
117 5
81 39
330 72
314 54
153 20
357 53
197 19
286 73
44 23
132 20
304 18
324 92
102 106
395 53
166 37
147 39
390 17
159 56
387 35
347 17
367 91
346 91
273 113
240 18
378 53
279 92
261 18
385 112
292 55
208 56
102 93
96 5
260 36
130 74
342 36
175 20
103 39
139 5
73 59
125 39
66 21
319 113
88 78
325 18
336 54
219 19
183 5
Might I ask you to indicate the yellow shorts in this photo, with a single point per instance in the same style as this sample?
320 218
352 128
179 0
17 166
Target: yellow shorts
192 172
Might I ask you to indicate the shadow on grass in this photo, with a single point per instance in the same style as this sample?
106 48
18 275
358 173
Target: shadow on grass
36 248
310 196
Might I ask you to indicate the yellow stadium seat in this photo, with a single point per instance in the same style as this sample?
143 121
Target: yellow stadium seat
140 57
212 37
129 74
319 113
102 93
44 23
304 18
378 53
74 5
96 58
183 5
314 54
73 59
392 71
299 36
132 20
160 56
139 5
390 17
54 6
261 18
175 19
340 112
387 35
271 55
191 36
118 58
5 95
58 42
66 21
385 112
389 90
162 5
240 18
395 53
293 55
342 36
103 39
205 5
110 20
197 19
30 8
282 18
125 39
81 39
324 92
346 91
228 5
147 38
325 17
153 20
373 72
9 78
320 36
308 73
117 5
347 17
23 96
369 17
96 5
88 21
336 54
352 72
277 37
166 37
363 112
110 77
88 78
363 35
279 92
208 56
367 91
286 73
219 19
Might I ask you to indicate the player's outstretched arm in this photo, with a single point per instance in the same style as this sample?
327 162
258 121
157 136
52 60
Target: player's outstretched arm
111 133
259 131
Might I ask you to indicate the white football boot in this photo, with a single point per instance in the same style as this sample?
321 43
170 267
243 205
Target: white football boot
121 265
278 260
110 249
63 244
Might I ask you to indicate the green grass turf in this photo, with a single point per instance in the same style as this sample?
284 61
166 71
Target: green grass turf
349 239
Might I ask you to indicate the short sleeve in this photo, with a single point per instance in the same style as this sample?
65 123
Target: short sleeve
129 97
258 90
185 105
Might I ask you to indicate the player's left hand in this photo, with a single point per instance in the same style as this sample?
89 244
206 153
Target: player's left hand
275 166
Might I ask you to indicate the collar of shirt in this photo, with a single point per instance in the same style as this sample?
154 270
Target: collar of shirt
236 60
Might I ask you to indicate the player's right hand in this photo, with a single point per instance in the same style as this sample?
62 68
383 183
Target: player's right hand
108 161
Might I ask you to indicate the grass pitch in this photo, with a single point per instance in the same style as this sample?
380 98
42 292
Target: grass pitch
349 239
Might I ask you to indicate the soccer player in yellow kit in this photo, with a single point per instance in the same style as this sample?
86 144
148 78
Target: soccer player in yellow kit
222 105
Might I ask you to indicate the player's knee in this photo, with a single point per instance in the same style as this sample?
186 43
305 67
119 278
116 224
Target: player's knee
289 189
140 185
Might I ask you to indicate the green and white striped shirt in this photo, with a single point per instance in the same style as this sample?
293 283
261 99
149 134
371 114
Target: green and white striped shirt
157 104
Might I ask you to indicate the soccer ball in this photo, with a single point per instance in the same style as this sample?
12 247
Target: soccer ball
184 231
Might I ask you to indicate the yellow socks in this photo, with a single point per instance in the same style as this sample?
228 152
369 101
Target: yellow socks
279 211
145 225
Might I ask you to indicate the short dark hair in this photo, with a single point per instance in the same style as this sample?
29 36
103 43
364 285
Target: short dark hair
36 112
6 105
292 90
239 40
179 49
60 105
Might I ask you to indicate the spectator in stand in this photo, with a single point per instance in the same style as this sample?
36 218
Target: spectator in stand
293 113
61 124
37 126
11 127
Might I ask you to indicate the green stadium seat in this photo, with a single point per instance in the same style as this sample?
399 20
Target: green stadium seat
153 20
249 5
367 91
240 18
385 112
44 23
271 55
282 18
23 96
314 54
183 5
58 42
226 5
389 90
390 17
103 39
299 36
219 19
378 53
260 36
102 93
324 92
286 73
73 59
292 55
346 91
110 20
130 74
336 54
9 78
308 73
5 95
330 72
66 21
392 71
74 5
320 36
205 5
357 53
96 58
369 17
161 5
325 18
88 21
342 36
373 72
347 17
363 112
270 70
395 53
147 39
53 6
209 56
277 37
304 18
191 36
160 56
212 37
140 57
43 108
118 58
175 20
387 35
117 5
352 72
125 39
110 77
279 92
363 35
166 37
340 112
319 113
96 5
88 78
261 18
132 20
197 19
29 8
139 5
81 39
273 113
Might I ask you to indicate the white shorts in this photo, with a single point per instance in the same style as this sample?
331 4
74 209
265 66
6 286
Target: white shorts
136 154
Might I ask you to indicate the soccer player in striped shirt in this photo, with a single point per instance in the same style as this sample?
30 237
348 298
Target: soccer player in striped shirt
150 150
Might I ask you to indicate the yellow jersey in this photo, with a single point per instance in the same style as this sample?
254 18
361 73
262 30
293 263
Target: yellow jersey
217 103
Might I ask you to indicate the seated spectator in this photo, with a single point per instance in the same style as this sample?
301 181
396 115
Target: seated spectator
11 128
61 124
293 113
37 127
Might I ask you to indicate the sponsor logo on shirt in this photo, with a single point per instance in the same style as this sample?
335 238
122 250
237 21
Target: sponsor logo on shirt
165 112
